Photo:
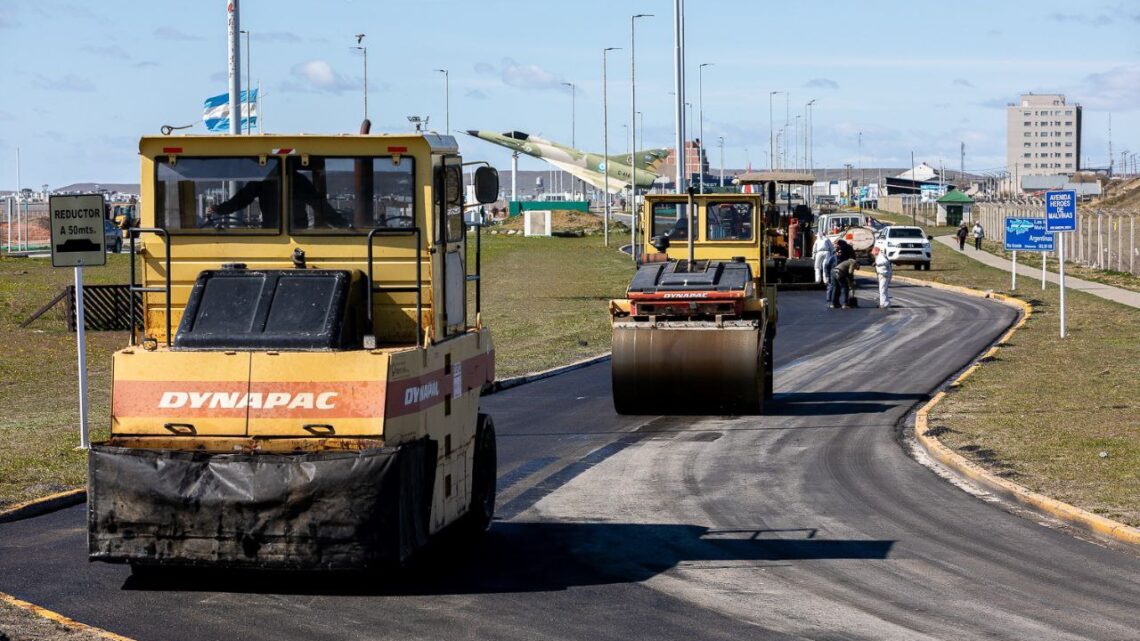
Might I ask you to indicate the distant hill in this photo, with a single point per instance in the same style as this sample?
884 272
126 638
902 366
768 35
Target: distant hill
122 188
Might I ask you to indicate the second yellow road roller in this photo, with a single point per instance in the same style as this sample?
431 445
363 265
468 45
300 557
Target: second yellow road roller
694 333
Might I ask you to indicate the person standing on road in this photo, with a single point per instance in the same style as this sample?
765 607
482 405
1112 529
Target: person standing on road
820 250
883 270
979 234
829 269
962 232
844 276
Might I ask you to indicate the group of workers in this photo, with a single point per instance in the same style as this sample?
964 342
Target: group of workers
835 266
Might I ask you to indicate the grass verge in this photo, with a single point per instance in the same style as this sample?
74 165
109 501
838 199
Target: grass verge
1059 417
544 299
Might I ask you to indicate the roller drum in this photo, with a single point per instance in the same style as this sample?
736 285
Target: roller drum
688 368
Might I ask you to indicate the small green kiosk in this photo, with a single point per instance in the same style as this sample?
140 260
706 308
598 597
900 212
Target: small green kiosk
954 207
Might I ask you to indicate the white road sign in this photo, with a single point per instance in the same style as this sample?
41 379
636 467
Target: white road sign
77 230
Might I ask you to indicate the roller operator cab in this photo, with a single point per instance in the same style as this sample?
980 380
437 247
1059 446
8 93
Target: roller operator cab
301 389
694 334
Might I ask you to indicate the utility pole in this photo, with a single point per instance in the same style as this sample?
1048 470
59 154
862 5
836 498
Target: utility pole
721 141
233 23
633 130
701 117
917 191
248 85
606 145
362 48
771 133
446 100
573 120
962 166
809 150
679 97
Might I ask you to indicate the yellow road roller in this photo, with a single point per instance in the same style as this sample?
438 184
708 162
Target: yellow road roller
694 333
301 388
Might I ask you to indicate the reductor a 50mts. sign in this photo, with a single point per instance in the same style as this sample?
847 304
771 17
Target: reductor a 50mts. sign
77 230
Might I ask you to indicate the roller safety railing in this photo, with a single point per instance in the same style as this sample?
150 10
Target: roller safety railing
133 234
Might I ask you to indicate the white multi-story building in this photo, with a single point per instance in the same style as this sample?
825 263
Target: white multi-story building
1043 136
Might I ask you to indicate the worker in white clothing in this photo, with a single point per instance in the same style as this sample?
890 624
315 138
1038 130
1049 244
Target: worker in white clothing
883 270
820 250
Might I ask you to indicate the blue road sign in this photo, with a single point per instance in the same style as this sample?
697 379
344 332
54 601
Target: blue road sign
1060 211
1027 235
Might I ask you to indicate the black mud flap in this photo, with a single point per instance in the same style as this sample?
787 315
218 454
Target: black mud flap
326 510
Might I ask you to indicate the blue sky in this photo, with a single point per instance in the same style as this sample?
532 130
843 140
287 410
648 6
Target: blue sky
83 80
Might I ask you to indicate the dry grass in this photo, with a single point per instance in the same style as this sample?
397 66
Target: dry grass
545 299
1043 412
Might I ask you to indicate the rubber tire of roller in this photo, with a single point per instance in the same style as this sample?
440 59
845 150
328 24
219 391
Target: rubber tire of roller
484 477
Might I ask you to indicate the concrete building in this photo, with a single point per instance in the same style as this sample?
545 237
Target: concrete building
1043 136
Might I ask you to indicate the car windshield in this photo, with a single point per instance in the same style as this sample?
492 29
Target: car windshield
215 195
906 233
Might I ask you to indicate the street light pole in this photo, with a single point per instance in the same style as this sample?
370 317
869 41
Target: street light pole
720 139
701 117
606 145
446 100
771 133
633 130
233 25
362 48
573 119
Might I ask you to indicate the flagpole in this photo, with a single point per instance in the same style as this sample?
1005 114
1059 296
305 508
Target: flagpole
234 26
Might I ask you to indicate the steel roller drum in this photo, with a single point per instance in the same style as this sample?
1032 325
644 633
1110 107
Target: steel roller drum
688 368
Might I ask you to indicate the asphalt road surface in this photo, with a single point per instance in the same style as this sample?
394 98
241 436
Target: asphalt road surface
811 522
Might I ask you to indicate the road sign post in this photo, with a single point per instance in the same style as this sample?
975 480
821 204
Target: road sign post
77 239
1025 234
1061 216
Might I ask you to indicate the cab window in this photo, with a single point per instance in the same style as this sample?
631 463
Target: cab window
669 220
338 195
728 221
217 195
453 202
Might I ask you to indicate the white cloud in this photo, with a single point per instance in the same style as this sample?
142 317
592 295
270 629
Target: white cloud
530 77
821 83
70 82
962 82
1117 89
170 33
319 75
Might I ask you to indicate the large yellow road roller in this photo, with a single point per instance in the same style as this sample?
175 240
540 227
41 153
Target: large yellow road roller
302 387
694 333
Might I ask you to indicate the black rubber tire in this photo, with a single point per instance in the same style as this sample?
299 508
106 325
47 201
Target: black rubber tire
918 267
769 373
484 476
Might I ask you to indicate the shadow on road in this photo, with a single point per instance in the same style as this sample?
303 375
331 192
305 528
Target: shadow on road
535 557
836 403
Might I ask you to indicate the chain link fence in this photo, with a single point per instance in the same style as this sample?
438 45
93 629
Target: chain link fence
24 226
1105 238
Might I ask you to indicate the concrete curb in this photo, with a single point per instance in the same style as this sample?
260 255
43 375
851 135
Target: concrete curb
1075 516
43 505
507 383
58 618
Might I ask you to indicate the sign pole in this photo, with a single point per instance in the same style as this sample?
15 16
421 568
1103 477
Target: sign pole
1061 255
81 342
1042 271
1013 270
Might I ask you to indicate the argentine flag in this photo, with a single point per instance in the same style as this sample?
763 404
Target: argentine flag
216 112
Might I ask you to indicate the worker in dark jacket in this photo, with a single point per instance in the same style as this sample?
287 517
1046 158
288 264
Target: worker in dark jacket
844 276
962 232
843 251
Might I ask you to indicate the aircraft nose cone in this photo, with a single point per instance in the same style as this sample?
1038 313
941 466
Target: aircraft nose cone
472 132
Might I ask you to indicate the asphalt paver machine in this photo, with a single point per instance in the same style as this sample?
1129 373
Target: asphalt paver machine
695 332
790 224
302 383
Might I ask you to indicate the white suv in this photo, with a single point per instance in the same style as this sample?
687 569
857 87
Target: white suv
905 245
